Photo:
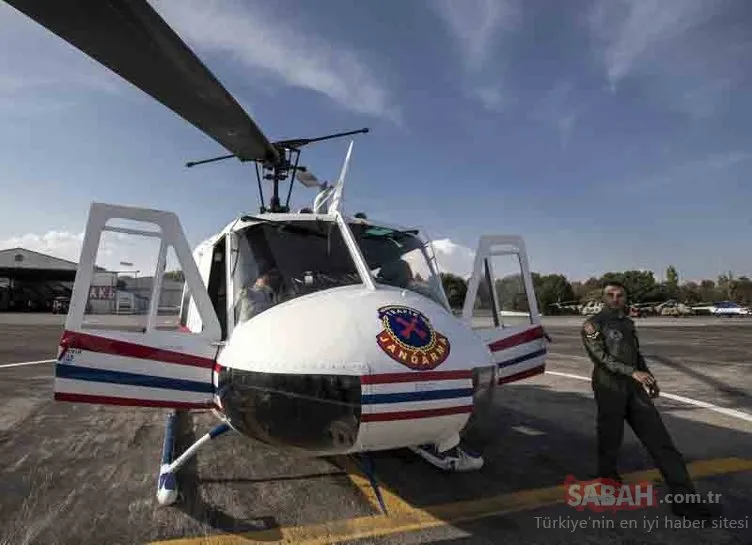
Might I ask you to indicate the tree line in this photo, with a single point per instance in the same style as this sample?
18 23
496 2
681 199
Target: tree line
555 290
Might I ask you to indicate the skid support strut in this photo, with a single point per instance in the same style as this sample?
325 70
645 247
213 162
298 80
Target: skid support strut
167 487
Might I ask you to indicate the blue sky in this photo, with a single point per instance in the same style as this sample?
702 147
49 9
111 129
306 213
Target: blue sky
610 134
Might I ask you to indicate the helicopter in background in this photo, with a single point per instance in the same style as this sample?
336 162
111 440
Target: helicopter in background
313 331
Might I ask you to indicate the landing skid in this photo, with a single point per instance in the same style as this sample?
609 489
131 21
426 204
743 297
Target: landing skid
167 486
367 465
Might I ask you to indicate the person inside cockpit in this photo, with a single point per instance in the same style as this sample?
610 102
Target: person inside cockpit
399 274
261 295
395 273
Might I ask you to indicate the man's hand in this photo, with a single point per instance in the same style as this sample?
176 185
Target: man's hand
645 378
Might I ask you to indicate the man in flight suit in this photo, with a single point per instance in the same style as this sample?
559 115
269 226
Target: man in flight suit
623 387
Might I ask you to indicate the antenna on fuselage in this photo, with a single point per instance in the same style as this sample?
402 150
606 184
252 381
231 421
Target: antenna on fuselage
334 206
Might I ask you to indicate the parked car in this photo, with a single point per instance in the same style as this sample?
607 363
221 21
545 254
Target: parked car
729 309
60 304
593 307
637 312
673 308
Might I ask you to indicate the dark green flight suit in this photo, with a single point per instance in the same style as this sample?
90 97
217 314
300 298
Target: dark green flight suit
611 342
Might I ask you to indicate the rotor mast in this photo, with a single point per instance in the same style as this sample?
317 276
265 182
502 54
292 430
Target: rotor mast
288 153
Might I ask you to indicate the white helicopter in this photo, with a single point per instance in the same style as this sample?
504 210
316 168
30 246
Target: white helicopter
316 332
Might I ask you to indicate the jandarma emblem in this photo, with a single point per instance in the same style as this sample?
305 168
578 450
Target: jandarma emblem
409 338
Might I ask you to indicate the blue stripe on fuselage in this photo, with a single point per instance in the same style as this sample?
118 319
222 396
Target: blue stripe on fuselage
76 372
520 359
425 395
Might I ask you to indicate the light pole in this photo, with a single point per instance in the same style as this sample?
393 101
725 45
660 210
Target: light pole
129 264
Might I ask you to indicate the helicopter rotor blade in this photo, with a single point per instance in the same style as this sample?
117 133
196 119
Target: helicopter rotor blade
300 142
130 38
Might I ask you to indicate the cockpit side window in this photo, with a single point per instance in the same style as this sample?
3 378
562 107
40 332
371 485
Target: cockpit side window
399 259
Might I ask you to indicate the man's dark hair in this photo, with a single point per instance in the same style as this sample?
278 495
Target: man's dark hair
614 283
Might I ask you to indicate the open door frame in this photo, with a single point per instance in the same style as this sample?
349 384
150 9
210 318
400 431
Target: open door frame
170 234
518 351
150 367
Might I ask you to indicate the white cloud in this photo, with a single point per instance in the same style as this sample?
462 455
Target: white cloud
702 100
692 173
60 244
11 84
565 124
476 24
34 63
688 59
294 56
40 72
114 248
493 97
454 258
634 30
556 110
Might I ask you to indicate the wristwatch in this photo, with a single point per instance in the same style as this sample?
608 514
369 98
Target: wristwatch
652 389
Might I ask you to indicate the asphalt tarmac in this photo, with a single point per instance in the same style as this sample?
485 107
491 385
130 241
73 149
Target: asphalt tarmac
77 474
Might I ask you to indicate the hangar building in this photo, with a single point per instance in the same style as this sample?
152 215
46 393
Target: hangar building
31 281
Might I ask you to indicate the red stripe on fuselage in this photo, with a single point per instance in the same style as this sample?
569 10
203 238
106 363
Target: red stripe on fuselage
130 402
517 339
417 376
93 343
523 374
410 415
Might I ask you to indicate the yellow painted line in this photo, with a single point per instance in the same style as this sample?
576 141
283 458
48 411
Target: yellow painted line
699 469
416 518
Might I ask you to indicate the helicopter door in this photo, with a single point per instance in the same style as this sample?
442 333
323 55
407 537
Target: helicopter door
137 356
501 307
217 285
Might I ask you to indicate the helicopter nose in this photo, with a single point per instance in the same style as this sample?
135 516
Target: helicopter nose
302 374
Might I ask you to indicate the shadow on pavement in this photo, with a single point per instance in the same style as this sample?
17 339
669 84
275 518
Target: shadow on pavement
517 461
739 395
192 503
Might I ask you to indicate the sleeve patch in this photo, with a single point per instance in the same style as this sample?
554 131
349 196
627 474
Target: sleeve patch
590 330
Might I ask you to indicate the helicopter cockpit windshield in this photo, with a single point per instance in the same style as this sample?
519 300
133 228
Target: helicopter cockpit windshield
398 258
280 261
